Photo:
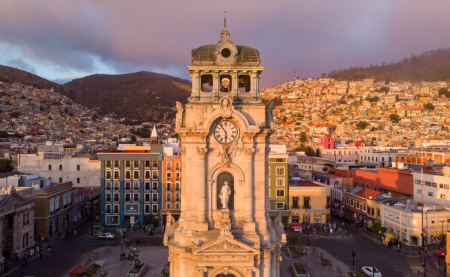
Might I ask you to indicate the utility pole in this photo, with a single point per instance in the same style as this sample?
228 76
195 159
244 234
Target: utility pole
353 256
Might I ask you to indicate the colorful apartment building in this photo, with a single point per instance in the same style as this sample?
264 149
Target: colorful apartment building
278 182
131 186
171 191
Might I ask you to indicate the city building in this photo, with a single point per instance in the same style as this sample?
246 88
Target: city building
16 221
53 212
224 228
436 185
131 186
278 182
171 190
62 163
77 204
392 181
356 205
310 203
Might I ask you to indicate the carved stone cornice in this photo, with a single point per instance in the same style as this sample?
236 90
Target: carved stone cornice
248 151
202 151
183 150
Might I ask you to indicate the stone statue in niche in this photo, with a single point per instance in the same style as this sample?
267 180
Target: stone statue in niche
226 107
225 195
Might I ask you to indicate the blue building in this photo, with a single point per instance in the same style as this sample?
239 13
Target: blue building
131 187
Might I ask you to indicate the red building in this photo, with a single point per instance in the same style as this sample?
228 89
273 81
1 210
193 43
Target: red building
396 182
327 142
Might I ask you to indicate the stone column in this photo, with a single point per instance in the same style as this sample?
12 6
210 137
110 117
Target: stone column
249 224
266 265
201 216
216 85
183 188
184 267
253 84
273 262
16 236
235 83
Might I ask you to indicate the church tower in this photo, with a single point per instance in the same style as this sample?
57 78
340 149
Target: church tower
224 227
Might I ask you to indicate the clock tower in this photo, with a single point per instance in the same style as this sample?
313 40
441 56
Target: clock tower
224 227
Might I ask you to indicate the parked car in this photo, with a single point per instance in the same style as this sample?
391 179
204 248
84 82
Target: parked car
368 271
106 236
348 220
334 213
442 253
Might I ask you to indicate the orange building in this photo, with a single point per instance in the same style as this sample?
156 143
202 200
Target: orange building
171 197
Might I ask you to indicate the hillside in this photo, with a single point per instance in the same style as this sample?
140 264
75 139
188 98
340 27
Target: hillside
141 95
14 75
428 66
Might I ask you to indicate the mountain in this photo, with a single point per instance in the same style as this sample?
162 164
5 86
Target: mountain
141 95
428 66
14 75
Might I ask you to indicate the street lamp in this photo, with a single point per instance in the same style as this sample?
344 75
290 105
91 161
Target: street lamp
92 211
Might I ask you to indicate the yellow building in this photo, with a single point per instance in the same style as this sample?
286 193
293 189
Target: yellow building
310 203
373 211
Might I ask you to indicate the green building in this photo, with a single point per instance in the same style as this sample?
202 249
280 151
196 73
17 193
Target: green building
278 183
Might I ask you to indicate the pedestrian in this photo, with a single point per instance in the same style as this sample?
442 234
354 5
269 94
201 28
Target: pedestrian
121 233
6 267
74 232
420 251
40 255
137 242
49 247
16 256
126 238
162 228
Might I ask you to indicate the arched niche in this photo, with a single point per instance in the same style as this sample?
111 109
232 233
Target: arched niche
223 271
221 179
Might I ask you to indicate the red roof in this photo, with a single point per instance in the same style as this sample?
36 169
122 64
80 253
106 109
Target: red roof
368 193
307 184
78 269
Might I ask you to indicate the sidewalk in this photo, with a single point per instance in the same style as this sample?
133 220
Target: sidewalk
156 239
333 268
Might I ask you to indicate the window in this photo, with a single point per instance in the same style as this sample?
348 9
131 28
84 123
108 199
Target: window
169 176
116 197
78 167
419 191
365 207
441 186
177 166
49 167
168 186
78 180
356 184
116 164
280 206
177 197
177 176
155 174
154 208
136 164
443 196
147 174
116 185
147 209
147 186
168 197
177 206
108 208
108 198
147 197
244 83
108 185
367 185
417 182
155 186
280 170
430 194
169 165
434 185
57 203
268 171
154 197
116 175
127 185
280 192
445 186
60 180
52 205
428 184
155 164
116 209
108 164
374 188
135 197
136 175
206 81
147 164
280 182
108 175
127 164
169 206
177 186
60 167
135 185
127 197
378 212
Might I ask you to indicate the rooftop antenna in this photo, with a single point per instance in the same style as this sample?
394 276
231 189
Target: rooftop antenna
225 18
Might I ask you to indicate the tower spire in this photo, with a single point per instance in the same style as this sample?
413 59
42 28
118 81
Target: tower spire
225 18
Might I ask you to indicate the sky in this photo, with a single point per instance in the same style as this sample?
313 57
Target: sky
62 40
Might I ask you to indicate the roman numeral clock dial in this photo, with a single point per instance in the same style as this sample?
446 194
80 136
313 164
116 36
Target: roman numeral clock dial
226 132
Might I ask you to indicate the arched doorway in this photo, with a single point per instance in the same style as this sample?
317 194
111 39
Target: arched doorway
221 178
223 275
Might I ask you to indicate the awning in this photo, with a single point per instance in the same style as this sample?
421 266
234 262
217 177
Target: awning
391 236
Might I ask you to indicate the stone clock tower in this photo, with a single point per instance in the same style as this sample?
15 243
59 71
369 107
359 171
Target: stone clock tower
224 228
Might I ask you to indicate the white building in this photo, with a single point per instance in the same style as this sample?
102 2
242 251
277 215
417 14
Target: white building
83 170
436 185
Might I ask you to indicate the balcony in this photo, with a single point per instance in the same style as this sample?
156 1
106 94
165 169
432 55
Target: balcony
177 199
295 207
116 199
169 199
108 199
306 207
169 178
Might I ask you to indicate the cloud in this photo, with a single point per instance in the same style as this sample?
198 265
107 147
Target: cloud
67 38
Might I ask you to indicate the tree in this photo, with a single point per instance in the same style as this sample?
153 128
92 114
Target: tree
376 228
14 114
354 273
133 139
361 125
397 98
394 117
429 106
317 152
384 89
292 238
6 165
3 134
445 92
309 151
373 99
342 102
373 129
284 119
303 140
374 139
139 143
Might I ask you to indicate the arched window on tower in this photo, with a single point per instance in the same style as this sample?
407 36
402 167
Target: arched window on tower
207 83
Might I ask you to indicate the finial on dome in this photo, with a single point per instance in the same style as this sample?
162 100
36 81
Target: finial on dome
225 18
225 34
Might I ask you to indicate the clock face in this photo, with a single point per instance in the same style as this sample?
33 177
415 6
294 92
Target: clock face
226 132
